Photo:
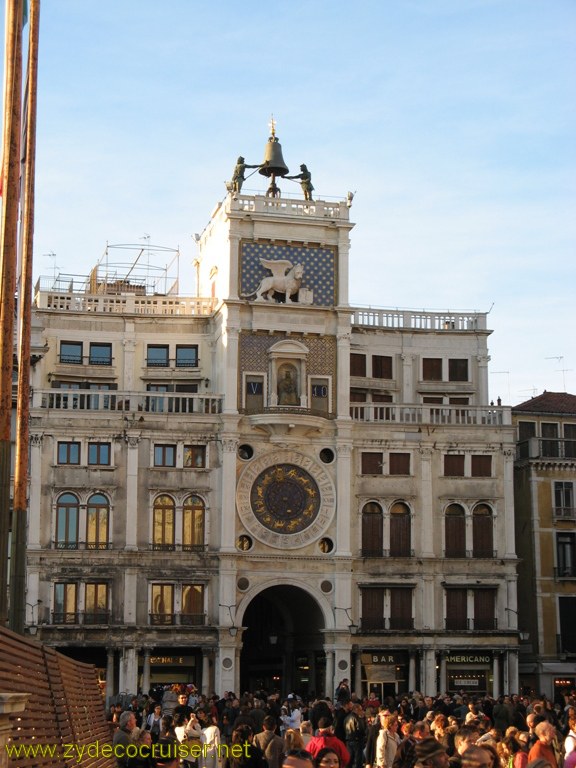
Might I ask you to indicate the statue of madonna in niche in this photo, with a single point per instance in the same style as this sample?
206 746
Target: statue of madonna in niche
288 385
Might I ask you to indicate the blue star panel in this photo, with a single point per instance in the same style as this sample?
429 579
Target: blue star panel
319 268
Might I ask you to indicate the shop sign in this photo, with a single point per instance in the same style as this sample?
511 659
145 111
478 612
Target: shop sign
468 658
383 657
172 661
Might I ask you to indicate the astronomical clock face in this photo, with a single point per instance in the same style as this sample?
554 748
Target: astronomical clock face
285 499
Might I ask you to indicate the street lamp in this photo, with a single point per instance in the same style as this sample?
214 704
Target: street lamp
233 630
352 628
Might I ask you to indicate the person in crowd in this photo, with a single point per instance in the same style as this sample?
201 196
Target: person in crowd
122 737
430 754
388 740
154 722
478 757
464 738
272 745
251 755
210 757
326 738
298 759
327 758
142 739
544 748
306 731
182 708
406 753
570 740
355 733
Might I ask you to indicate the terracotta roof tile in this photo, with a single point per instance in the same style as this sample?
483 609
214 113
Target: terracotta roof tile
549 402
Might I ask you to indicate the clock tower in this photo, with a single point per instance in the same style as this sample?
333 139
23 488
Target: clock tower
278 268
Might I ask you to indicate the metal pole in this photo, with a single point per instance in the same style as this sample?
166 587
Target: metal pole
8 251
19 514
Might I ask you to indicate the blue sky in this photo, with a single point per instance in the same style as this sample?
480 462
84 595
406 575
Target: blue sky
453 120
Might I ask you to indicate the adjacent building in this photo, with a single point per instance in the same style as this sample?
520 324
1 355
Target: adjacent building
269 487
544 482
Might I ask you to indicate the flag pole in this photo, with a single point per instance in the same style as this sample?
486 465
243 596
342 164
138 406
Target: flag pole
8 251
17 609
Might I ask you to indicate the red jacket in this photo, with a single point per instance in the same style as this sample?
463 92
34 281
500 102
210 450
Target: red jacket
325 739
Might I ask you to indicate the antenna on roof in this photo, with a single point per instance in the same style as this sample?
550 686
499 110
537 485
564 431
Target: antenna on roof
563 371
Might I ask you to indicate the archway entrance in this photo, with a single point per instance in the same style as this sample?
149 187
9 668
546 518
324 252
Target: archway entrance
283 644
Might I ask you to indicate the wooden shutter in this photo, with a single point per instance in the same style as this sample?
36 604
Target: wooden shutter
456 609
372 608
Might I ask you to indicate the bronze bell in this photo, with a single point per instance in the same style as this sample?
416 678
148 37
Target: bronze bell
273 163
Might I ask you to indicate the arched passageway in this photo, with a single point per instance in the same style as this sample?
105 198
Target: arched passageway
283 643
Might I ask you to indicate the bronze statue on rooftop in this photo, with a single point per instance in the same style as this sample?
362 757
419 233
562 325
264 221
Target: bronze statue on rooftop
305 182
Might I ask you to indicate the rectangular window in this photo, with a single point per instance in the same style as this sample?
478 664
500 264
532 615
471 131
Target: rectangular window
357 364
99 454
567 612
481 466
564 500
550 444
431 369
570 441
457 370
399 464
157 356
100 354
456 609
454 465
71 352
319 395
192 604
195 456
68 453
372 608
459 401
433 399
187 356
401 608
484 602
65 601
254 395
565 551
164 455
381 367
371 463
96 604
162 604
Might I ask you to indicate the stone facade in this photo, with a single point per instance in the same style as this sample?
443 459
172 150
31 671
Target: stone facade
245 492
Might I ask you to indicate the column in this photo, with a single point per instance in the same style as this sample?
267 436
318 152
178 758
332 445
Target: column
343 259
506 672
407 379
329 683
427 505
229 384
130 594
443 683
496 675
110 654
228 509
508 511
343 374
482 386
513 679
412 671
430 667
343 485
358 673
146 671
129 670
35 495
206 671
131 520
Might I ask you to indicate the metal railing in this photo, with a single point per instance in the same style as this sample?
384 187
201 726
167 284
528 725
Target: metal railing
384 623
177 619
546 448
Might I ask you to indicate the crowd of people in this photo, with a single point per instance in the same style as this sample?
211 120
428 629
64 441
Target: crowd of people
411 731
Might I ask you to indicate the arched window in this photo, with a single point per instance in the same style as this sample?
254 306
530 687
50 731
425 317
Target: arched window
400 530
67 514
372 531
193 513
97 515
163 523
482 531
454 531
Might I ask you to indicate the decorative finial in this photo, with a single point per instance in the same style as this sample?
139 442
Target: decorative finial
272 126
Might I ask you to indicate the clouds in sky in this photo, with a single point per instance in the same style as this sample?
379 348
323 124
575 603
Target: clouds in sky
453 119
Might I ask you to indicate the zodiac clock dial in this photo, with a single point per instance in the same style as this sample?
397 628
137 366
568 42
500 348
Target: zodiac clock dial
285 499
